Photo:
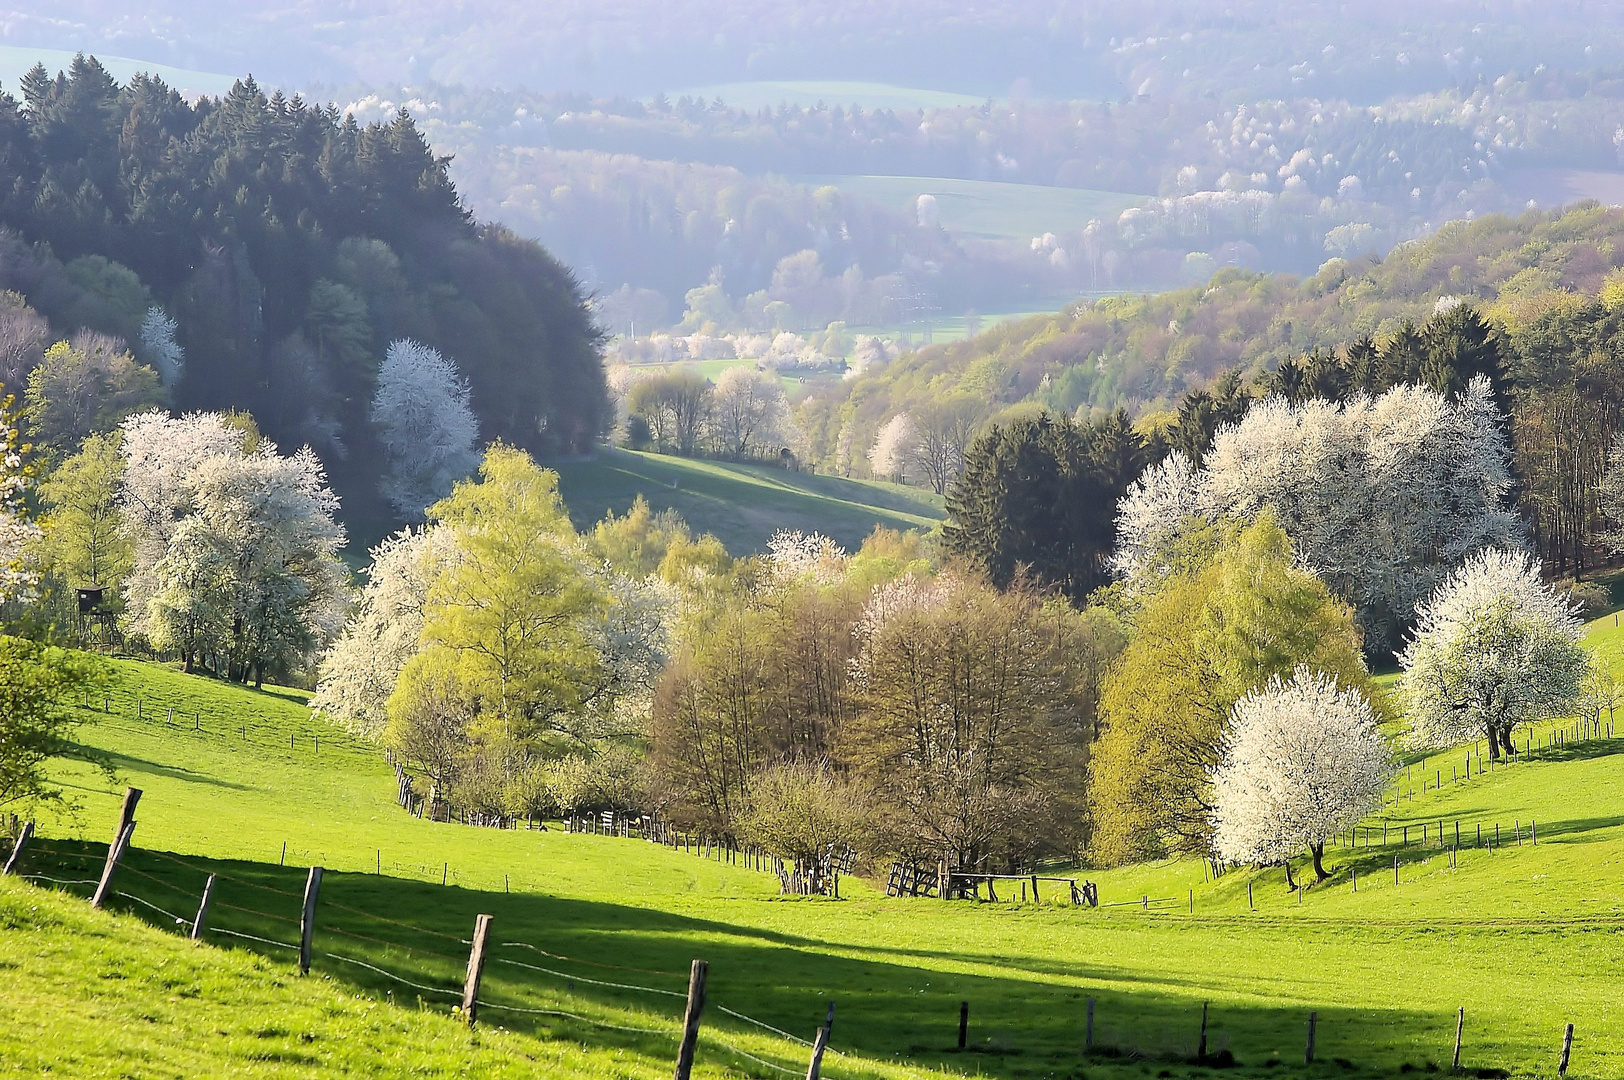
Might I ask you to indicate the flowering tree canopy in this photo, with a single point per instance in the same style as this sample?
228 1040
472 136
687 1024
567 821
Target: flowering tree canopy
1302 759
1494 647
426 421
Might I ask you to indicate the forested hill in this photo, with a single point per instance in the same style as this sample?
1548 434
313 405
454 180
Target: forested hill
291 246
1144 352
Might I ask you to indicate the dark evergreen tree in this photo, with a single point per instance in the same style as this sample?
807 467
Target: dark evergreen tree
1038 496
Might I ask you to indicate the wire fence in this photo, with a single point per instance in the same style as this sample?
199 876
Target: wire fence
427 970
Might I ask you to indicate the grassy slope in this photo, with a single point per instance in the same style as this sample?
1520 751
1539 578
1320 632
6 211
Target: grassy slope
1526 938
742 504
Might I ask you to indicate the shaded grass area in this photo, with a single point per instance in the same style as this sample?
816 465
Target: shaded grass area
1525 938
743 505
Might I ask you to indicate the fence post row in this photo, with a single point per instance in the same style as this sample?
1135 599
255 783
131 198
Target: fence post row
307 918
690 1019
820 1043
476 968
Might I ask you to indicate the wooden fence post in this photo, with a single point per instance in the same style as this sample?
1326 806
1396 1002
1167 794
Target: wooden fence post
126 811
476 968
307 918
203 909
1313 1020
690 1019
820 1043
15 859
1088 1030
114 854
1201 1047
1249 905
1460 1029
1567 1049
964 1022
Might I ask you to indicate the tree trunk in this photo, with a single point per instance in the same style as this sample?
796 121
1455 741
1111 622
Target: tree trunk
1319 861
1511 747
1494 744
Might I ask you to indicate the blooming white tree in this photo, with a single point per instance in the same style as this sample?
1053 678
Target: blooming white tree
894 448
1302 759
747 412
17 578
359 670
236 554
159 349
1495 647
1381 497
427 424
793 555
1150 515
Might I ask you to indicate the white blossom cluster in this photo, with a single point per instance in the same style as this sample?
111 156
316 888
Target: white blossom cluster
793 555
1303 758
159 349
426 421
17 578
1494 647
1382 497
358 673
236 548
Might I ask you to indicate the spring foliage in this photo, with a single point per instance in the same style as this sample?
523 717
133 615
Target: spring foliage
1302 759
1382 497
1231 618
427 425
1494 647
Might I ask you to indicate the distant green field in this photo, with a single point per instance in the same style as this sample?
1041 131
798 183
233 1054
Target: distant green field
1526 938
769 94
743 505
987 208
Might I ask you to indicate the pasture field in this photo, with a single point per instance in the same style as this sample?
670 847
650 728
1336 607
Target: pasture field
742 504
595 931
987 208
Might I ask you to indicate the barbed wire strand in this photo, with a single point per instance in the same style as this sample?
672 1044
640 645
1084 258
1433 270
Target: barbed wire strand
577 1016
392 975
592 982
179 921
250 937
746 1054
589 963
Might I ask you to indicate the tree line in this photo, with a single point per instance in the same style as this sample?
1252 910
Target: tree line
259 253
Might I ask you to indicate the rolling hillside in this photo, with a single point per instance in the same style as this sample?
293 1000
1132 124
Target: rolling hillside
742 504
597 932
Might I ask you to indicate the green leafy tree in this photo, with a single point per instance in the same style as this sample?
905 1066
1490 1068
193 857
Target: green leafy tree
85 539
40 685
1215 629
85 386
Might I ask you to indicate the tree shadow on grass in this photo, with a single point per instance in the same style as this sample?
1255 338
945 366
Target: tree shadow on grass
627 967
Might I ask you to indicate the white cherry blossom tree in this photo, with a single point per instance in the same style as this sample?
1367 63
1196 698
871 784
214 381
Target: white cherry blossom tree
425 418
1303 758
1495 647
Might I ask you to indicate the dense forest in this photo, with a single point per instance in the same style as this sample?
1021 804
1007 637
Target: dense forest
261 252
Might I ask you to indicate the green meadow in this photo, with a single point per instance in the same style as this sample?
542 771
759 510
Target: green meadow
742 504
594 934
